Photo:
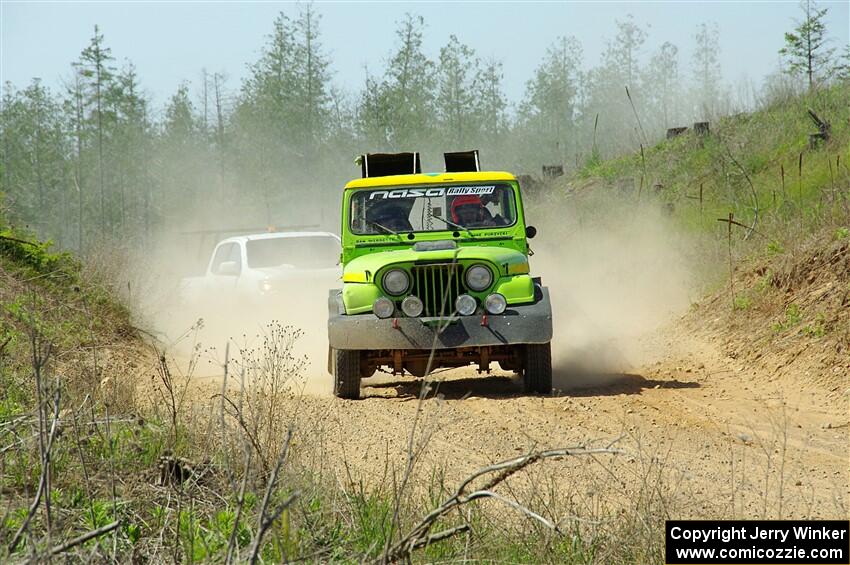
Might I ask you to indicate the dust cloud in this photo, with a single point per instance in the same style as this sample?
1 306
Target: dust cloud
196 326
616 270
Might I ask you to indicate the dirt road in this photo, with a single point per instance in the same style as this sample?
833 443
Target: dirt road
715 438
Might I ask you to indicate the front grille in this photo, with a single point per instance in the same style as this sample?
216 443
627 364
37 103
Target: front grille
438 286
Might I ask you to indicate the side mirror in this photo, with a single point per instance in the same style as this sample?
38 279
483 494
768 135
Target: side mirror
228 268
530 232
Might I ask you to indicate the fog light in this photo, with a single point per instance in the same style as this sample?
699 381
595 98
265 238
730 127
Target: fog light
495 303
412 306
465 305
383 307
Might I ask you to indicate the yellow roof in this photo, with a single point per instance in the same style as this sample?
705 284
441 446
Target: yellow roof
429 178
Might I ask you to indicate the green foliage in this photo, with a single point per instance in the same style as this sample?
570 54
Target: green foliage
457 94
775 248
743 302
10 408
97 163
133 532
28 252
766 144
97 514
816 329
841 233
551 100
805 49
707 72
793 317
764 281
372 514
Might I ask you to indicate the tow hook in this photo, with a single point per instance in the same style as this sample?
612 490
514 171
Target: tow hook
484 321
395 323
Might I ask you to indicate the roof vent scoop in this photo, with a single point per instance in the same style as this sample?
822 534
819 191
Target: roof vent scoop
462 161
386 164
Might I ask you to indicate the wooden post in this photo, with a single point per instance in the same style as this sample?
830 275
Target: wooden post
731 267
800 186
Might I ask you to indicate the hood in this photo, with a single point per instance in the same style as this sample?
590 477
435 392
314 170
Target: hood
499 256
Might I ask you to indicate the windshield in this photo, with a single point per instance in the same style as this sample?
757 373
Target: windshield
307 252
432 208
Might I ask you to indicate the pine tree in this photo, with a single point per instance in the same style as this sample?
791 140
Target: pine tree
130 139
268 100
311 85
492 103
607 112
550 106
661 85
706 69
456 94
74 111
94 65
33 157
622 53
805 49
373 114
842 67
409 88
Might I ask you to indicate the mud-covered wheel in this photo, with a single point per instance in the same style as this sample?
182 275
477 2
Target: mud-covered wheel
346 373
537 368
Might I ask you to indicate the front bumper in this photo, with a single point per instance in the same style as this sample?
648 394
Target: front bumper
529 323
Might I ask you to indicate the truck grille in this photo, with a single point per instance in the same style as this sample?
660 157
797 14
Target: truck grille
438 286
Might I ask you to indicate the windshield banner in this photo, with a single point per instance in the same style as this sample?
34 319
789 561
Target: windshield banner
433 192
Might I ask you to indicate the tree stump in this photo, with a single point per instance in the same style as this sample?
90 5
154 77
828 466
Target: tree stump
675 132
815 139
824 129
528 183
552 171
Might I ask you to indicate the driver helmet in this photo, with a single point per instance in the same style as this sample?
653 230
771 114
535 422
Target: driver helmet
461 204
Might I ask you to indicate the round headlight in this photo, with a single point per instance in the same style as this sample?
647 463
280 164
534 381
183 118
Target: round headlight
396 282
495 303
478 278
383 307
412 306
465 305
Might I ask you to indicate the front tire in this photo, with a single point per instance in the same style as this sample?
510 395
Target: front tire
537 368
346 373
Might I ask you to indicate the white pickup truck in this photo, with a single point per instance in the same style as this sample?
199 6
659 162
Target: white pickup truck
256 269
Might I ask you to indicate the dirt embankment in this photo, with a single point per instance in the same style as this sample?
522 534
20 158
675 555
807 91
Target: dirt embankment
787 317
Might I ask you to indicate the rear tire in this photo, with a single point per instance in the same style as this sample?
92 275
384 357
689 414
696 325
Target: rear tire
346 373
537 368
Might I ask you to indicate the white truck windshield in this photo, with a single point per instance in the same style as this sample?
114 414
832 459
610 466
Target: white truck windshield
308 252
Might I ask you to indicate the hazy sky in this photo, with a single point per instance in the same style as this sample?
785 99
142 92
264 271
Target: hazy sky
170 42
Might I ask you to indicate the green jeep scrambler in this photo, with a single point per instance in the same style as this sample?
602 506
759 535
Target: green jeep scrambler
435 274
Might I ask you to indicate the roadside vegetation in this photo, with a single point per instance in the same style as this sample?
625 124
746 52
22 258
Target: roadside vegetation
762 202
104 454
99 438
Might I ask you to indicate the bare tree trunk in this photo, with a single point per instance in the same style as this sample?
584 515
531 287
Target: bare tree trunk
219 131
78 99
